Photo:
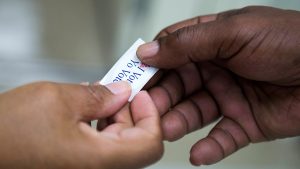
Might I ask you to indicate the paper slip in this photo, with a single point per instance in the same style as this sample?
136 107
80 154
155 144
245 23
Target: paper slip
129 68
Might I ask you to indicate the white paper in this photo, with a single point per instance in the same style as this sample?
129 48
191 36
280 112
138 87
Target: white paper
129 68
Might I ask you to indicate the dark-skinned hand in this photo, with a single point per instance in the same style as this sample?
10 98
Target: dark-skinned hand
242 66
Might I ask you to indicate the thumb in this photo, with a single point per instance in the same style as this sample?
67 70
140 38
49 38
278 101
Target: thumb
195 43
97 101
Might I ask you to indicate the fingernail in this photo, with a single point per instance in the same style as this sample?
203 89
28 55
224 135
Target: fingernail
148 49
118 87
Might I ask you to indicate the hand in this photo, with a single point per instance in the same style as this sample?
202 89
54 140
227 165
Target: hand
241 65
45 125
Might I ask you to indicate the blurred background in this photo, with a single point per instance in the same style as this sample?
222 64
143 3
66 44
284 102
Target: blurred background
76 40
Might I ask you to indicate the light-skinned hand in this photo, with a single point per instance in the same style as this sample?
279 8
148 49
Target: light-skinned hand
45 125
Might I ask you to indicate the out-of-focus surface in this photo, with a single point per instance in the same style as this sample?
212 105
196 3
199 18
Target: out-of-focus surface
75 41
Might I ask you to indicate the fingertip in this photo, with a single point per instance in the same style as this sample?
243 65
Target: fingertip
160 99
174 126
119 88
195 156
104 101
144 94
194 162
141 98
205 152
143 105
145 114
148 50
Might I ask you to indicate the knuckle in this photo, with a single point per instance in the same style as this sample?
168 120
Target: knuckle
235 12
186 35
252 8
161 34
48 90
98 96
167 31
247 9
164 32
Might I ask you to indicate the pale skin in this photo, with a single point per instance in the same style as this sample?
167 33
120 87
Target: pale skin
242 66
45 125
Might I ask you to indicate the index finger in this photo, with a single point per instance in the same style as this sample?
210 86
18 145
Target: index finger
145 114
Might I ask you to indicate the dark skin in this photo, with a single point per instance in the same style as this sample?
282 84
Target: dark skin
242 66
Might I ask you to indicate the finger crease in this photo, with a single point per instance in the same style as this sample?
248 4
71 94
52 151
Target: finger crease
236 146
219 144
250 107
183 87
207 91
168 94
93 93
195 105
241 47
184 118
241 127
